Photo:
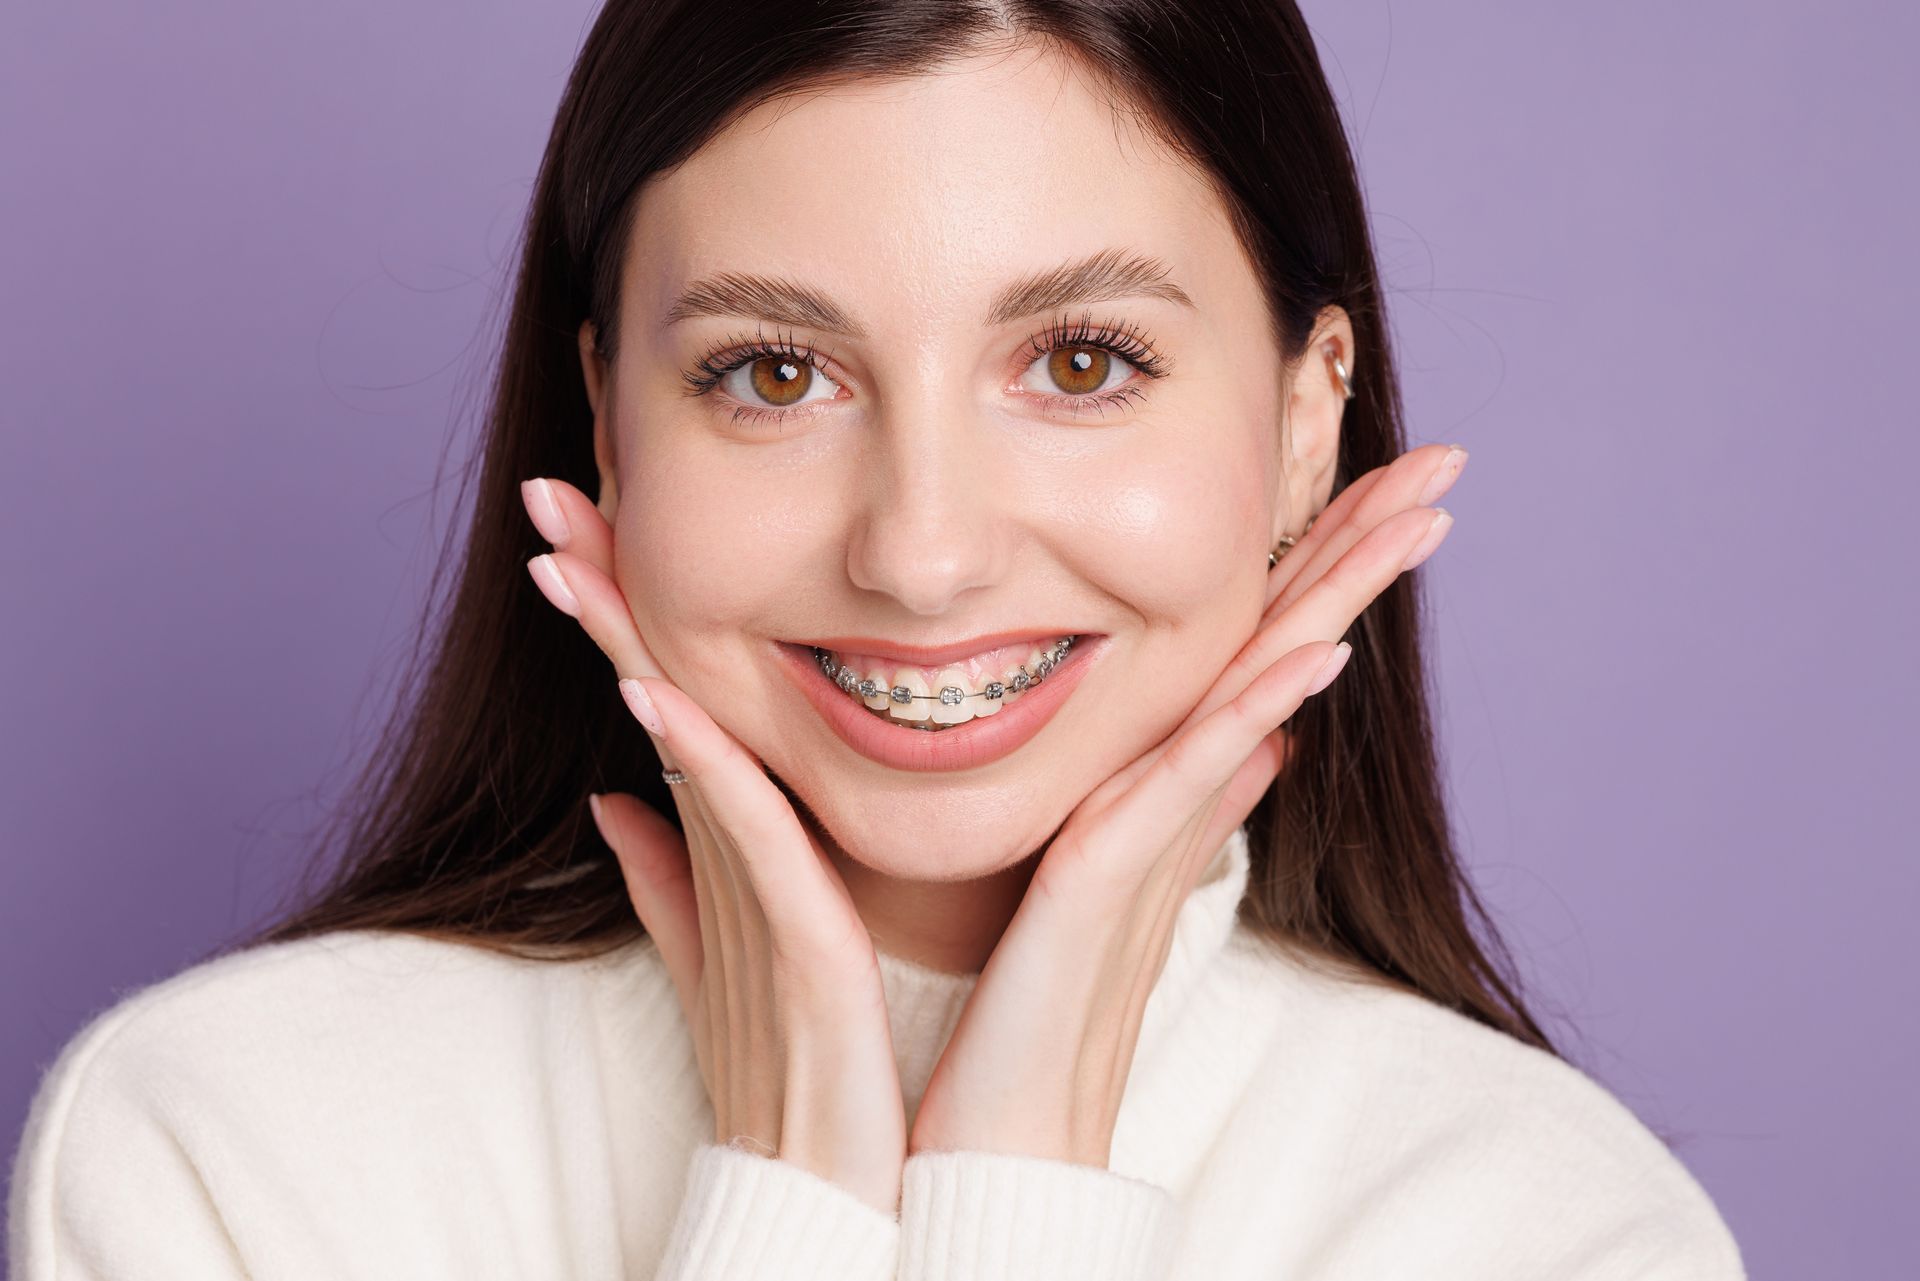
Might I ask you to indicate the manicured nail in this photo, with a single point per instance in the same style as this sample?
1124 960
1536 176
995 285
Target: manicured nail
1444 475
553 585
593 803
642 707
1324 677
543 508
1441 523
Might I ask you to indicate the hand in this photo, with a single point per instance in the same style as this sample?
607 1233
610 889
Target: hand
1038 1062
773 966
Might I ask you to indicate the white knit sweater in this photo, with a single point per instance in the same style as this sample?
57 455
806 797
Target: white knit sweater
365 1105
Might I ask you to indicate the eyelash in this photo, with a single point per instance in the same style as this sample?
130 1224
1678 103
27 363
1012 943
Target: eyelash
1126 342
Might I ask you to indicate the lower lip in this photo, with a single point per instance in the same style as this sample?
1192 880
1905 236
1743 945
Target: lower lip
978 742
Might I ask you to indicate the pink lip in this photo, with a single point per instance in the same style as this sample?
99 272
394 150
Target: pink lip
978 742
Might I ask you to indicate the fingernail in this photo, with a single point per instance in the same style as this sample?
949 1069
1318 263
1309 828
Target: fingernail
1444 475
1335 661
1441 523
642 707
543 508
553 585
593 803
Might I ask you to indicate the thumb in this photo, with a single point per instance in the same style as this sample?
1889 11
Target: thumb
653 858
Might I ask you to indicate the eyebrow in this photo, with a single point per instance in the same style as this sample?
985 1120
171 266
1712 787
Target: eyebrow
1098 277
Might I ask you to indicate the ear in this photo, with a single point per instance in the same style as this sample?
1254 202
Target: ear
1310 435
600 397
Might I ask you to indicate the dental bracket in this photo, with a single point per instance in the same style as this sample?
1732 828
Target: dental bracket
850 681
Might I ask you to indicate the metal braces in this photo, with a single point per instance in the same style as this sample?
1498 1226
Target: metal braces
850 681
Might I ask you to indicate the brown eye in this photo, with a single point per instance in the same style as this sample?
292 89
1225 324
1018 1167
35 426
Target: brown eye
780 380
1079 371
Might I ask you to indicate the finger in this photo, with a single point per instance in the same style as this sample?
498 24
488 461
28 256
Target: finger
1415 478
1325 523
576 587
589 597
1356 513
568 520
1330 605
1201 761
1418 478
1249 783
572 521
739 801
581 585
653 859
713 895
1325 613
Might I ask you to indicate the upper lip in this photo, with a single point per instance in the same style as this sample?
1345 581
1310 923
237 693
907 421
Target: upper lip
935 655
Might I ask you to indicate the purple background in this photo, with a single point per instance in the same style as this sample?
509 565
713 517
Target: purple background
1652 263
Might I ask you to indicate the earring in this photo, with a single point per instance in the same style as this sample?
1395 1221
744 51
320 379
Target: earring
1286 543
1346 383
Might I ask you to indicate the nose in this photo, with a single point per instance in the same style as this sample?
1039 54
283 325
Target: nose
931 523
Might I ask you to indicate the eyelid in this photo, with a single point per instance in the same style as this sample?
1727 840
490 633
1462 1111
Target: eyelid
737 350
1124 340
1127 340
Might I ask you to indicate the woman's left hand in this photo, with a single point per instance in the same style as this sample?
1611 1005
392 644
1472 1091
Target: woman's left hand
1039 1059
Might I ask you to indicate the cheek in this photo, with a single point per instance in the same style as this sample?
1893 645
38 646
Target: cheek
1176 536
1179 540
689 554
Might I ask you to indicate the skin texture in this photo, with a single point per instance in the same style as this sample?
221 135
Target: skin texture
928 502
930 487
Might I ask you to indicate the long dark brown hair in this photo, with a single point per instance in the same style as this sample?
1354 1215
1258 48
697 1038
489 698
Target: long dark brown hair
469 820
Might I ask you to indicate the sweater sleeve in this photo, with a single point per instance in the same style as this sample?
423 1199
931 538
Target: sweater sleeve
747 1217
1659 1227
968 1215
104 1185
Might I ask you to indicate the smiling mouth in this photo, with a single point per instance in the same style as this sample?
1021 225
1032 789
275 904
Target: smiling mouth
944 699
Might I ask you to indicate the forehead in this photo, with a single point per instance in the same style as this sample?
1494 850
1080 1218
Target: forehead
914 200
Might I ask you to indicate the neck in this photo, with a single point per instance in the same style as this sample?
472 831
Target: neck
929 965
951 926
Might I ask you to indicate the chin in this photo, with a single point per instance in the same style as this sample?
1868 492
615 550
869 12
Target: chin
940 837
937 856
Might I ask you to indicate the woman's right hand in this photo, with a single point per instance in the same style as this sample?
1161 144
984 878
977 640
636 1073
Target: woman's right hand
774 968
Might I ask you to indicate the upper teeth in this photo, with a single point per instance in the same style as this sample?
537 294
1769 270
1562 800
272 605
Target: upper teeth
954 694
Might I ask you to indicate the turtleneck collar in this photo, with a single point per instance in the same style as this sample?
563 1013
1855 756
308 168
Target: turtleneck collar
1174 1089
924 1004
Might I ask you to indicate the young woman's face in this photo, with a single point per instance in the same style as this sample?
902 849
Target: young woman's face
916 438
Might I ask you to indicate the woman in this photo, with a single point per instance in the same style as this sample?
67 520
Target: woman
968 432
